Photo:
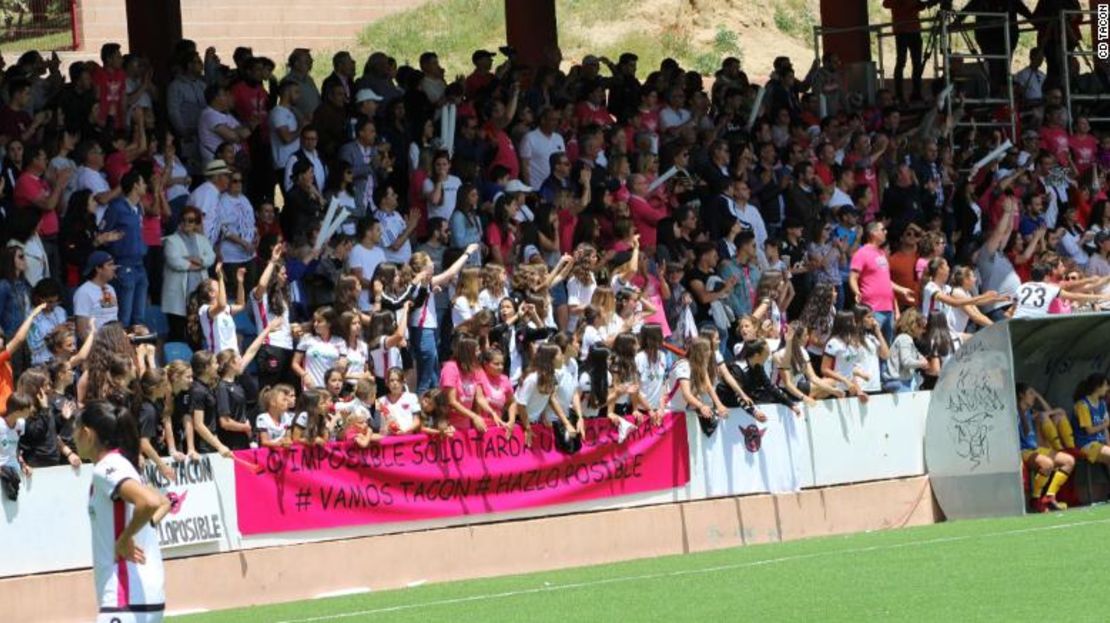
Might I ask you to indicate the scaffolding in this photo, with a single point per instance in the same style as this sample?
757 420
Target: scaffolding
943 38
948 27
1085 17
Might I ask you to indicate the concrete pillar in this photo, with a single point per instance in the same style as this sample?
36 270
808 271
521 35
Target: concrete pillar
531 28
153 29
855 46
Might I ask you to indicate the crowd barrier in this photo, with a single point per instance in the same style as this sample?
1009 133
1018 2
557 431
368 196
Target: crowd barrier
836 442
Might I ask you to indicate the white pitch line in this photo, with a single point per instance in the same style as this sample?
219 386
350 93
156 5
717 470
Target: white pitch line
685 572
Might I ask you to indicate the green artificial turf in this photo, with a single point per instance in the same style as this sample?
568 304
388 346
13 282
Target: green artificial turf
986 570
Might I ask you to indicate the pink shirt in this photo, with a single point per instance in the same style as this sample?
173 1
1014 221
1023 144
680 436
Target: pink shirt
465 386
29 188
498 391
875 287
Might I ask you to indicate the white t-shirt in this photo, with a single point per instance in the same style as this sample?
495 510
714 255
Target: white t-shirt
367 260
260 310
206 198
450 194
462 310
566 383
957 317
653 378
357 357
282 117
590 337
530 397
393 226
424 317
848 359
490 301
671 118
219 332
679 372
236 217
1034 298
179 170
320 356
265 423
121 584
578 295
536 149
210 119
93 181
383 358
403 411
9 442
929 302
96 302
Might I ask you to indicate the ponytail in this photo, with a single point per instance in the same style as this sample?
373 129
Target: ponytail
115 428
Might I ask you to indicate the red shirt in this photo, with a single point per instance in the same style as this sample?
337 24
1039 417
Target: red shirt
1084 148
475 82
13 123
587 113
646 217
252 104
866 177
28 188
1055 140
504 241
111 87
506 151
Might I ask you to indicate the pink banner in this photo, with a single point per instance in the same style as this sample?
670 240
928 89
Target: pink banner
415 477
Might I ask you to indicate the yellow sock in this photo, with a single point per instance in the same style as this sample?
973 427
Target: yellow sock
1039 482
1058 480
1051 434
1066 436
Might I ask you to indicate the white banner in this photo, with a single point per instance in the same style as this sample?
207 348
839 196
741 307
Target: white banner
195 515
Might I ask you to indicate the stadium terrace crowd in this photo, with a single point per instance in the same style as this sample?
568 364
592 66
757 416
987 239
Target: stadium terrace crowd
249 257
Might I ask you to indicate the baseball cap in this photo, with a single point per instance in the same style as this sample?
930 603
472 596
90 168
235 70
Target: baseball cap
517 186
367 95
480 54
96 260
1102 236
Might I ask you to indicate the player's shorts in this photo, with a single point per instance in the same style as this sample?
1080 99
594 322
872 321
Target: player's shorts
131 617
1027 456
1092 451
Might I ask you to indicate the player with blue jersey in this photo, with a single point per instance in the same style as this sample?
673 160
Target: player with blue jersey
1091 419
1040 444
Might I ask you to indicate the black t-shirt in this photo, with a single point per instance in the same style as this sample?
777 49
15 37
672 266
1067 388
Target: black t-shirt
39 443
202 398
701 311
181 410
150 425
62 424
231 402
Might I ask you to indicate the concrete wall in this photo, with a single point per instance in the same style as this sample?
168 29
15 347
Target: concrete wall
272 27
268 575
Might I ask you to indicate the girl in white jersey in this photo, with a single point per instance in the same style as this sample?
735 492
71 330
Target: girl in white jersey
938 296
127 561
211 318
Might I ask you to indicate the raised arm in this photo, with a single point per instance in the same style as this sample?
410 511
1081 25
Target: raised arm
25 328
446 276
268 273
